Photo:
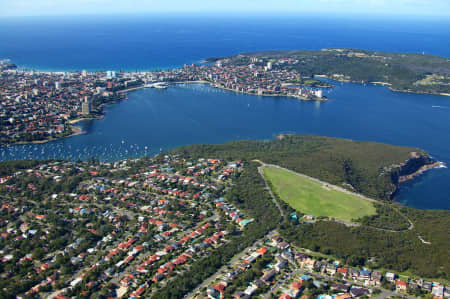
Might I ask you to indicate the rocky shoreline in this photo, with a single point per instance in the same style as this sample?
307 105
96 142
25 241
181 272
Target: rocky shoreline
388 85
415 166
75 131
420 171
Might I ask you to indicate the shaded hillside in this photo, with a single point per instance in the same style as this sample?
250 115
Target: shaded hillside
403 71
366 166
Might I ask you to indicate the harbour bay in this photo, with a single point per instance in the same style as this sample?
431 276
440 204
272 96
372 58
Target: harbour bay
238 149
152 120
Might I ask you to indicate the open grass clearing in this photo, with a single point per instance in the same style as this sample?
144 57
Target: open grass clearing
313 198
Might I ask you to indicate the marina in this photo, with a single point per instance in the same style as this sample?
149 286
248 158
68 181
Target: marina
150 122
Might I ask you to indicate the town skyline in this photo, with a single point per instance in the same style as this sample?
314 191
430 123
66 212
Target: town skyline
247 149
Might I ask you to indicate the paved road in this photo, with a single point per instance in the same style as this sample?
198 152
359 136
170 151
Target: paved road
237 257
280 283
233 261
140 257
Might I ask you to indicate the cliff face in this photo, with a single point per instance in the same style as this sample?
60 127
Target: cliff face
418 172
415 166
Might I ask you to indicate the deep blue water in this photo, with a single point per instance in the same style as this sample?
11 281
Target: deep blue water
163 119
191 114
149 42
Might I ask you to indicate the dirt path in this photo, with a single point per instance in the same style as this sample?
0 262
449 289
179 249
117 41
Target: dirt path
260 168
337 188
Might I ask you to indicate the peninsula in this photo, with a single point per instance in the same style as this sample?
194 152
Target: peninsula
298 215
43 106
406 72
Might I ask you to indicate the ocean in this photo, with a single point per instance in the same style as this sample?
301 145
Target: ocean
147 42
152 121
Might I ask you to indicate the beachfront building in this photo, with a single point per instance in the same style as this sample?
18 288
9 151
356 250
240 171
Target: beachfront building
86 106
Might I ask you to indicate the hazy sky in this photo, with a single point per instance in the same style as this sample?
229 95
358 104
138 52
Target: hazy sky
77 7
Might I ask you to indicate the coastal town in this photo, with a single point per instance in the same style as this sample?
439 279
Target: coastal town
37 106
288 149
43 106
130 228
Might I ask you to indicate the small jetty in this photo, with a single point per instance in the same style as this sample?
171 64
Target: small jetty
159 85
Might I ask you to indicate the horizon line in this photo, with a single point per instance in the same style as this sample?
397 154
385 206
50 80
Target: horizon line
273 14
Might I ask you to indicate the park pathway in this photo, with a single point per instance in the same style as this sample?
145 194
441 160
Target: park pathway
260 170
337 188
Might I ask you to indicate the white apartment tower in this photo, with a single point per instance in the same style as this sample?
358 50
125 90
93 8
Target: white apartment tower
86 106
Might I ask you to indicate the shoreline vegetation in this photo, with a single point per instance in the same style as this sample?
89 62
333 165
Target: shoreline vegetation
350 164
420 171
401 72
74 132
416 165
388 85
413 167
430 164
360 247
397 237
271 57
